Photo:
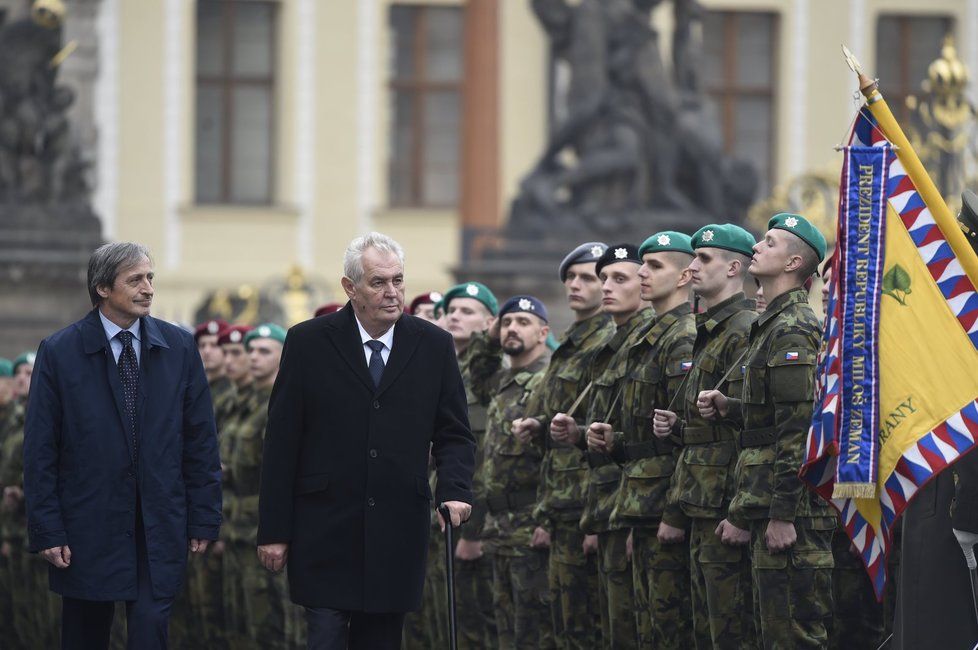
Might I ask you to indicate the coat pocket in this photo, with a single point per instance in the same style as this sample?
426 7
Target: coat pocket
707 469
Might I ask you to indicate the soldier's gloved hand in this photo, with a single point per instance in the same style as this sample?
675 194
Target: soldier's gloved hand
731 535
780 535
590 545
525 428
967 542
600 437
468 550
712 404
662 423
563 428
670 534
541 538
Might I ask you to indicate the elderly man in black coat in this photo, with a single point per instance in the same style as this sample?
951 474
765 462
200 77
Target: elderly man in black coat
363 394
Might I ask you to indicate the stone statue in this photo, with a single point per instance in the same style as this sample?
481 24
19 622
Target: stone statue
634 140
38 159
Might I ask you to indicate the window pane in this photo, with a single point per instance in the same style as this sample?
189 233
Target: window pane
401 148
402 20
253 39
753 128
250 141
444 47
209 143
927 37
441 148
210 43
754 50
888 53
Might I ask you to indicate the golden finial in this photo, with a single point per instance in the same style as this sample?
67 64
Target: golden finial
866 85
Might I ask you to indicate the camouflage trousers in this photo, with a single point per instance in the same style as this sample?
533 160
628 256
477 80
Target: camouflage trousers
204 598
474 602
257 609
36 609
616 592
720 580
857 620
573 589
521 599
661 575
426 628
793 588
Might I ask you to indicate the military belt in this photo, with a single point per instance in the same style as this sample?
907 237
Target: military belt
596 459
704 435
510 501
647 449
758 437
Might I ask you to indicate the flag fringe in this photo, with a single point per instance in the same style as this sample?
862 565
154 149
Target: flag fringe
854 491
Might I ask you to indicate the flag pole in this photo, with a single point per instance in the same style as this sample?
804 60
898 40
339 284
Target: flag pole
915 169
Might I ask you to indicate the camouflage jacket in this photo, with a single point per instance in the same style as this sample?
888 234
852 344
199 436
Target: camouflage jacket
228 404
235 408
775 411
510 472
657 367
607 369
472 530
561 494
13 523
220 386
702 484
245 441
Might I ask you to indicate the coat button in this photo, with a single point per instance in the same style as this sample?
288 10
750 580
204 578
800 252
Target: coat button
373 453
376 404
371 502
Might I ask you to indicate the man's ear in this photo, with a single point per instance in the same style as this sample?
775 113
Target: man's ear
544 332
685 277
103 291
348 287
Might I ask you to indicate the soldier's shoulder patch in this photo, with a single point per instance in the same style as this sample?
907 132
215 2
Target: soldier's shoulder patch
685 366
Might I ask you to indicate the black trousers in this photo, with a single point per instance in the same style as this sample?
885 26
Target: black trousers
86 624
332 629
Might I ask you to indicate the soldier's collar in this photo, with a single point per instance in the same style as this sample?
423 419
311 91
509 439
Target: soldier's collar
579 331
665 321
721 312
782 302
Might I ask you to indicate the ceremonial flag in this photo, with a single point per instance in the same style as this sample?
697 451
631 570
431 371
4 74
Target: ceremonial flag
898 378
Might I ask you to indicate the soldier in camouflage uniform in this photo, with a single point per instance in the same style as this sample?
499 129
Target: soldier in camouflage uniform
572 573
207 336
702 485
231 340
621 298
789 529
261 611
656 367
469 309
510 472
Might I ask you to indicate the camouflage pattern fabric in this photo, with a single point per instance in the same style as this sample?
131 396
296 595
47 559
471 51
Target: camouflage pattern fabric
616 592
573 581
703 482
522 601
774 412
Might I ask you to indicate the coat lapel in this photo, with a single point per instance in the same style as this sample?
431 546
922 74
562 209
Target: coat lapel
345 337
406 339
149 348
93 337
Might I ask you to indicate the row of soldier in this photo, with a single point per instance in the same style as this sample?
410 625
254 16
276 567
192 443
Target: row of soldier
637 486
636 482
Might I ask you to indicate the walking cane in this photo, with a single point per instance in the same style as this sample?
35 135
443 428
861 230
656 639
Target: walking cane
967 542
446 515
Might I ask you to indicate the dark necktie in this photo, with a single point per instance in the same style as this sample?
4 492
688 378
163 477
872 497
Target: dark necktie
376 365
129 376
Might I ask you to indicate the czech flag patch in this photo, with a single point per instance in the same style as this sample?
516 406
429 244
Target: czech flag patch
685 366
791 356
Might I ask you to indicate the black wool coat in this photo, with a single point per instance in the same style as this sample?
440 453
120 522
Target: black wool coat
344 468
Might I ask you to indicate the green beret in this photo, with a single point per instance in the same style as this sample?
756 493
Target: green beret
667 240
6 368
800 226
26 358
266 331
475 290
726 236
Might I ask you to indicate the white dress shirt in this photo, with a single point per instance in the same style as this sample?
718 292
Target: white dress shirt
387 338
111 329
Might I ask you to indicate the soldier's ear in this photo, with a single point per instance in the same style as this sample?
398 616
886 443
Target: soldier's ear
685 277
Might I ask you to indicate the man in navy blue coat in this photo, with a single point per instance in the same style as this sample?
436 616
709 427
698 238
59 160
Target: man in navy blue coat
121 468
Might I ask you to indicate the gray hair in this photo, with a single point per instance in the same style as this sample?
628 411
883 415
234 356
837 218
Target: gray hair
353 259
108 261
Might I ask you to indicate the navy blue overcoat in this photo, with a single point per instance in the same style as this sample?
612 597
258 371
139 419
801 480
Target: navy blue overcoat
80 484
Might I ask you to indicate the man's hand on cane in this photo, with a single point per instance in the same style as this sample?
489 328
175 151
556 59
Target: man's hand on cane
458 511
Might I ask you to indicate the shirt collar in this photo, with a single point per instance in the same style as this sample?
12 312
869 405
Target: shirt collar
387 338
111 329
